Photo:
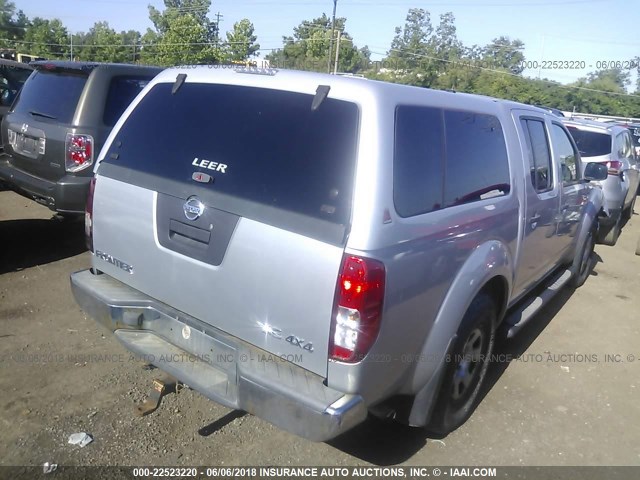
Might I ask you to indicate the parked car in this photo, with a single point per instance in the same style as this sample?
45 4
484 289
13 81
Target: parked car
610 145
57 124
12 77
310 248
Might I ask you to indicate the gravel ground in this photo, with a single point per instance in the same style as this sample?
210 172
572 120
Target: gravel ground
552 409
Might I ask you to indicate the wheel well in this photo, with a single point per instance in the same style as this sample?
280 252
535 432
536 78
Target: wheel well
497 289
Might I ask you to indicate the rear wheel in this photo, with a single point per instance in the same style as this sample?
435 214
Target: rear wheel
638 247
466 367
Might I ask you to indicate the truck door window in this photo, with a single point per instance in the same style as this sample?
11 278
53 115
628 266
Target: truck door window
539 154
567 155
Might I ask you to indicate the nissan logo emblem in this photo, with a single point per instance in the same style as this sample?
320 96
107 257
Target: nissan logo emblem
193 208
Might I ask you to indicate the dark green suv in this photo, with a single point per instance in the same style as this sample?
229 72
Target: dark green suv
58 124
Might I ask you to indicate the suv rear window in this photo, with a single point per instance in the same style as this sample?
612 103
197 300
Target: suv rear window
122 91
591 144
273 149
51 94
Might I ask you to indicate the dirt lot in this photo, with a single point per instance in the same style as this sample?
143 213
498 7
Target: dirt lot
555 408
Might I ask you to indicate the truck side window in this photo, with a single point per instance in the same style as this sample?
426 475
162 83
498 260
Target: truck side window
477 164
417 164
539 154
567 155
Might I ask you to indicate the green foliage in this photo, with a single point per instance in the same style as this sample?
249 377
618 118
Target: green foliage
421 54
46 38
308 48
241 42
183 34
103 44
13 23
506 54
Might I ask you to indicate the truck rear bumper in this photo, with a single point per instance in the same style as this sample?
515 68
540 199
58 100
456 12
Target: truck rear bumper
221 367
67 195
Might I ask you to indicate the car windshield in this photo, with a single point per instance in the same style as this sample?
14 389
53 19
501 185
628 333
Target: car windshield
591 144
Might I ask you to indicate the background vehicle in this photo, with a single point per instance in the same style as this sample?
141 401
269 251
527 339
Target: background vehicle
327 246
12 77
610 145
59 122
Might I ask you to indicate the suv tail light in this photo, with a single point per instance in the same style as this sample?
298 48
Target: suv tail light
357 310
88 215
79 152
614 167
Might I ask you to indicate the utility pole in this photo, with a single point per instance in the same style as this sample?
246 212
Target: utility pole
335 68
71 44
218 17
333 32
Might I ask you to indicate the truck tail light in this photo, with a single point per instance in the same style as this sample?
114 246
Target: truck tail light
88 215
78 151
614 167
358 308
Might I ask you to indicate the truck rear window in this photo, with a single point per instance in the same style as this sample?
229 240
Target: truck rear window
591 144
51 94
265 146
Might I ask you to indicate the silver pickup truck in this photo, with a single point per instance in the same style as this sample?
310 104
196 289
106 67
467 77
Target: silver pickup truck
310 248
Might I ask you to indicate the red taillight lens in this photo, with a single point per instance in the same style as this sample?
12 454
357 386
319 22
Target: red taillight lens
614 167
358 308
79 152
88 215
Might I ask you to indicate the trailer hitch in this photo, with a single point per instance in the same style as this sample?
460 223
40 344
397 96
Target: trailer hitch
161 386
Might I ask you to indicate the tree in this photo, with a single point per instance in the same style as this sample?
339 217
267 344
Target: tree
184 42
241 42
46 38
102 44
12 24
308 48
183 34
506 54
412 43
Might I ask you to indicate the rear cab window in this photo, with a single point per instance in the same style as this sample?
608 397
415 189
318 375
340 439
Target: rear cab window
445 158
52 95
258 146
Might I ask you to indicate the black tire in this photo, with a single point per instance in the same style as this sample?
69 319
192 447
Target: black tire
610 233
628 213
463 379
638 247
584 264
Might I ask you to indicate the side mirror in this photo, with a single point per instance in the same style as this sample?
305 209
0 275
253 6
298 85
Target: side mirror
595 172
